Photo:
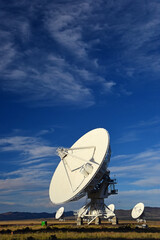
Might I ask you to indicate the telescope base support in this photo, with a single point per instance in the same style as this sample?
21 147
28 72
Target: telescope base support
114 220
79 221
97 221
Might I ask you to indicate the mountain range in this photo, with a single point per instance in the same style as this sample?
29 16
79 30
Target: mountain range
151 213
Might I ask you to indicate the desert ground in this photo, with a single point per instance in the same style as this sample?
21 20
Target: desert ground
32 229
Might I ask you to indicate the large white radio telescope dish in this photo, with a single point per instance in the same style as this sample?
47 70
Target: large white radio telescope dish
79 166
83 170
138 210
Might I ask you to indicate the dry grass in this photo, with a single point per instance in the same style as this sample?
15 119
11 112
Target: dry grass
24 230
91 236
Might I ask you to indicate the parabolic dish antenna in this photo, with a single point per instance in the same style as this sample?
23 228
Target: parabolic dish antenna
109 211
111 207
59 213
83 170
79 166
138 210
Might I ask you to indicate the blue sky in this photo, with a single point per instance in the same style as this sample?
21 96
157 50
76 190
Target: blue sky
67 67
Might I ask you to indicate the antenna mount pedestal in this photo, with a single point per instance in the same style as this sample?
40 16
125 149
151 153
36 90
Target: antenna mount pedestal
96 207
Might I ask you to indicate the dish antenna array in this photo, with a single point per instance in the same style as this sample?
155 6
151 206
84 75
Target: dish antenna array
110 212
59 213
138 214
83 170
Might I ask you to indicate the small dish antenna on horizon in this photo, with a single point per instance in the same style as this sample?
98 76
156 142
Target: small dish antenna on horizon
138 214
83 170
110 211
59 213
111 207
137 211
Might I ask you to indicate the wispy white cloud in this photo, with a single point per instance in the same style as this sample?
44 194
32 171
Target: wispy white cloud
30 179
137 131
141 192
67 74
138 171
56 85
128 199
13 27
121 157
30 147
128 168
108 86
150 181
66 26
147 123
128 137
45 131
8 53
7 203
